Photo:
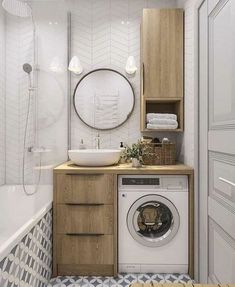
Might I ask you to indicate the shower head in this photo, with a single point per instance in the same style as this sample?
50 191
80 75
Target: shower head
27 68
17 8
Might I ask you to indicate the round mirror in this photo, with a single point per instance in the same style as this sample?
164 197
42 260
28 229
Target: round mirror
104 99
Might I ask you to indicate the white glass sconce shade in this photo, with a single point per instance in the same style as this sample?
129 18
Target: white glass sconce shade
75 66
131 65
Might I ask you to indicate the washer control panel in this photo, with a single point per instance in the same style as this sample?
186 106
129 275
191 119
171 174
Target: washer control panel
153 182
140 181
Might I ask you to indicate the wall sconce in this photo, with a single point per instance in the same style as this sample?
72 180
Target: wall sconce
75 66
130 65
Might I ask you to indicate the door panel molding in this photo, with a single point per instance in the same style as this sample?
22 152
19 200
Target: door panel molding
211 5
222 178
221 253
203 134
216 141
222 141
222 216
222 102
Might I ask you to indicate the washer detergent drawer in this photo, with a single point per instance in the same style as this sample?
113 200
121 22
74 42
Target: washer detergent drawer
175 183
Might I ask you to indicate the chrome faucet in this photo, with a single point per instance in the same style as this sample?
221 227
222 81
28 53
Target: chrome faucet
97 141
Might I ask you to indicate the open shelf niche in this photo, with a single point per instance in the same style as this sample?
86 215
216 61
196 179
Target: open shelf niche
170 105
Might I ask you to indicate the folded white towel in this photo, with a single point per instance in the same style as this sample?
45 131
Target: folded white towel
162 127
162 121
161 116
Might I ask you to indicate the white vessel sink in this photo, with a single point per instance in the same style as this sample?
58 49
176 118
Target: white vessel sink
94 157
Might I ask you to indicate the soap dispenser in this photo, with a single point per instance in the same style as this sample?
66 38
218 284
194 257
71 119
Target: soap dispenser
122 155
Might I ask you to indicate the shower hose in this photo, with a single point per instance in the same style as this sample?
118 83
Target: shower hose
25 151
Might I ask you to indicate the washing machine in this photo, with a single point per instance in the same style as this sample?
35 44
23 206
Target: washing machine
153 224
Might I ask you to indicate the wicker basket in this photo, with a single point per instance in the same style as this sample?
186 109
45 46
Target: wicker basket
159 154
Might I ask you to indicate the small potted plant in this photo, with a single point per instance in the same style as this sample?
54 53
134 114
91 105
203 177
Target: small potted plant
135 153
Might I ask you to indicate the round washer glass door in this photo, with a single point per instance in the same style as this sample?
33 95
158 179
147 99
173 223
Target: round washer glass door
153 220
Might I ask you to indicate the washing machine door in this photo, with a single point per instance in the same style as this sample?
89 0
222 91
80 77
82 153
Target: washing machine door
153 220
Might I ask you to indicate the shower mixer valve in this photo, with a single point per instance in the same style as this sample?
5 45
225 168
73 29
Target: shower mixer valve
38 150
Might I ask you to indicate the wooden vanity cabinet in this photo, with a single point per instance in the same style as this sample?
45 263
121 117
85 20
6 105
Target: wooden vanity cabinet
84 224
162 72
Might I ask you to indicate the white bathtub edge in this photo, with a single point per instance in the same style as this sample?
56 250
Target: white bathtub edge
6 248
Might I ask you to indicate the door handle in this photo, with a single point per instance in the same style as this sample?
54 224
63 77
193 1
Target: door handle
84 174
143 80
84 204
227 181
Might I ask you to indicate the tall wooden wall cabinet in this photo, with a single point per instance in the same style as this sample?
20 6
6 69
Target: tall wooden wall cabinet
162 63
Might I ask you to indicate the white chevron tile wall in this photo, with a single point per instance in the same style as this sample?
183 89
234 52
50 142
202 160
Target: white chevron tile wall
2 97
51 93
19 50
104 33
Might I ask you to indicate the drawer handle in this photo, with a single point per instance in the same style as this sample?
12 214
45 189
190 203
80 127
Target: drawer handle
87 174
85 204
227 181
85 234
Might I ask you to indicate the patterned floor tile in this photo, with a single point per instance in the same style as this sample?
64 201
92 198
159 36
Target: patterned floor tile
122 280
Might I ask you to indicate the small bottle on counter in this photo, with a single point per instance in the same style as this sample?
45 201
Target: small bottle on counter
122 156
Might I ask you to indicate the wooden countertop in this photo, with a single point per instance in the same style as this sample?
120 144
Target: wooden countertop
179 168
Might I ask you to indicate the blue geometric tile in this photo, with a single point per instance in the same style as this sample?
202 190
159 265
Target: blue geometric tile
122 280
30 262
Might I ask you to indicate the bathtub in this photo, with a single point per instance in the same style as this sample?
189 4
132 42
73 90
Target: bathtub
24 219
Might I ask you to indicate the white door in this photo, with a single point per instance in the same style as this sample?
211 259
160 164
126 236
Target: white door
217 141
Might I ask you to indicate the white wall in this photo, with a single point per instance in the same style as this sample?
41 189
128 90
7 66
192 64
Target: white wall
188 146
101 40
108 43
19 50
2 97
51 30
50 128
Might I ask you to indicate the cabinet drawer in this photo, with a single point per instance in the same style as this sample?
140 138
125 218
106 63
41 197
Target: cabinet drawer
85 188
86 269
85 249
85 219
